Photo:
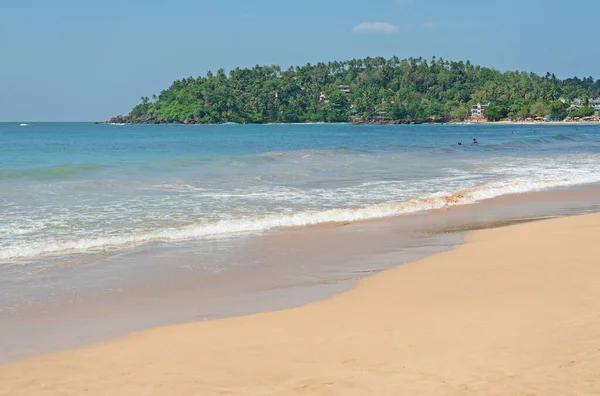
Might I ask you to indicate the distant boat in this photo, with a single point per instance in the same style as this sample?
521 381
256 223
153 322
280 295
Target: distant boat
24 125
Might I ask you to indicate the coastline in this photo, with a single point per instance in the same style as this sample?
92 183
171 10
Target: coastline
160 269
146 287
369 122
524 322
535 123
592 122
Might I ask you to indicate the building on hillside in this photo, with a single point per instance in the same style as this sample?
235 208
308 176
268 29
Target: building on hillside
323 98
577 103
477 111
345 89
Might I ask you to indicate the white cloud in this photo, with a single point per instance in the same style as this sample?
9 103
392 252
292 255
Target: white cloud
431 25
375 28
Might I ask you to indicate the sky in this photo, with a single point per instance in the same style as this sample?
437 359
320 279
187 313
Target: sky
88 60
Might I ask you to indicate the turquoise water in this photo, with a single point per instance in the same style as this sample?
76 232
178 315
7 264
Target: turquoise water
69 188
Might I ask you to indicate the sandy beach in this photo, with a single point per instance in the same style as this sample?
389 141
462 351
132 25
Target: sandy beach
513 311
532 123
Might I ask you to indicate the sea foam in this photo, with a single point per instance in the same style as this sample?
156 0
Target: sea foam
260 223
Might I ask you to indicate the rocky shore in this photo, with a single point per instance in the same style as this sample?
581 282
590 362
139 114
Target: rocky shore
391 122
120 119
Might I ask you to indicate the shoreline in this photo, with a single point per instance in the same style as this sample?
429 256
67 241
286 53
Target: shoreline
320 261
452 199
391 122
507 330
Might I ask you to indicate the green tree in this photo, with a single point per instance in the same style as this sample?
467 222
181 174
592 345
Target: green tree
558 109
523 111
495 112
397 112
459 113
539 110
585 111
410 90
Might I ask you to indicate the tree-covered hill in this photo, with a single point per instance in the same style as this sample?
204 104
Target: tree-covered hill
410 90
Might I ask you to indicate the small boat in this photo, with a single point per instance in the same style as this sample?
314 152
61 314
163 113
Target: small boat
24 125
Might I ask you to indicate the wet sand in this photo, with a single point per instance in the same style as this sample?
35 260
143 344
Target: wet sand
162 285
513 311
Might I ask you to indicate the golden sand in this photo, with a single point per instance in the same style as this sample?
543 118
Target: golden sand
515 311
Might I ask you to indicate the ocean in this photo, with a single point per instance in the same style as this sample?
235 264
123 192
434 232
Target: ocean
67 188
145 225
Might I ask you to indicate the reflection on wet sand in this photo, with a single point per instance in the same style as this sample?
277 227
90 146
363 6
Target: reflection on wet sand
81 302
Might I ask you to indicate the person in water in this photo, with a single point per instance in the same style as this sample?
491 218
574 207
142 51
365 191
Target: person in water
475 141
459 143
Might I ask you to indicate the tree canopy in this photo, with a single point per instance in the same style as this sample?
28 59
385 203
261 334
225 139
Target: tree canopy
409 90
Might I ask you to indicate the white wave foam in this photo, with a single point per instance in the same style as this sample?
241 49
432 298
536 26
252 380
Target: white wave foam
520 184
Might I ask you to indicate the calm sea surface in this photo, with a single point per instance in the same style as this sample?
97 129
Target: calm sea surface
69 188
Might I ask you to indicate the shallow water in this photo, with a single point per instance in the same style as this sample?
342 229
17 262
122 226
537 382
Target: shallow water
82 187
159 284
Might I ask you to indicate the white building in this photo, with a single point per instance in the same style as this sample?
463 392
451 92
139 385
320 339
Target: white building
577 102
478 110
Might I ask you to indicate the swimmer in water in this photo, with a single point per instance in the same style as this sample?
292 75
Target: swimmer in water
475 141
459 143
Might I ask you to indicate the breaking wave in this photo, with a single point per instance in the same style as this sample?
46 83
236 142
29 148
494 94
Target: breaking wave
260 223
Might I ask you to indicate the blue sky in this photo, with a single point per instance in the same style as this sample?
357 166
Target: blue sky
75 60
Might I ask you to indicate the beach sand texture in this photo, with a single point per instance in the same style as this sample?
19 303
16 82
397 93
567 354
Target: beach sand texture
515 311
